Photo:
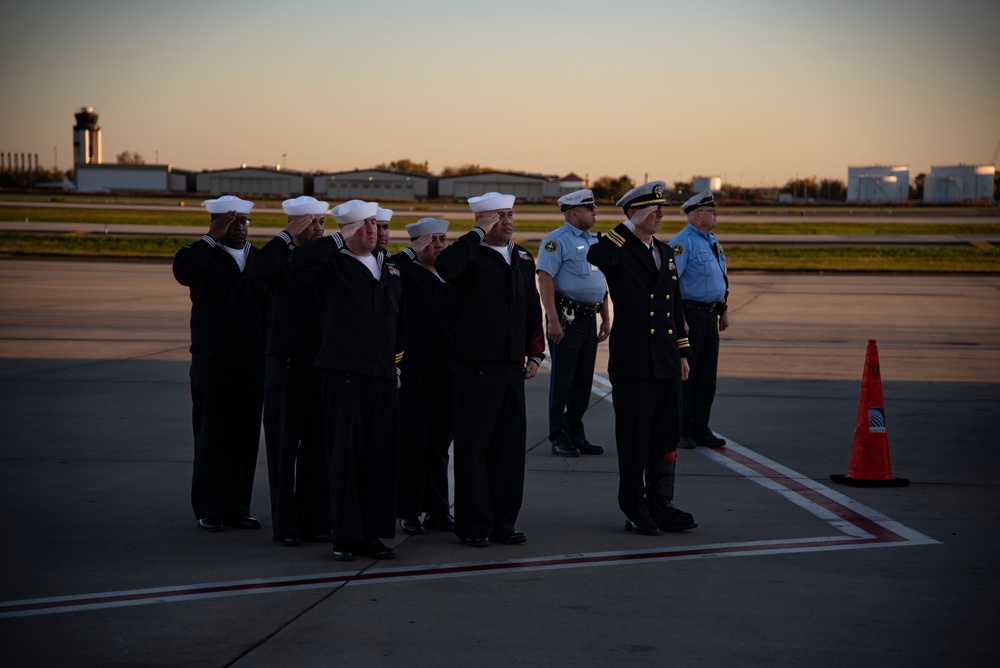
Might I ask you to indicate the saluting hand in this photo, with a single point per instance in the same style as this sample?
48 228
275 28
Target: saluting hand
421 242
350 229
217 228
641 215
296 226
487 220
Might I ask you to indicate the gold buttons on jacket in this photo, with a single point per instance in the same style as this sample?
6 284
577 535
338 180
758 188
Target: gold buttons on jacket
670 331
652 331
651 314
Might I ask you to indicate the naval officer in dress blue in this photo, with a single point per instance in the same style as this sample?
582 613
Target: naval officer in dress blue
647 361
701 268
573 293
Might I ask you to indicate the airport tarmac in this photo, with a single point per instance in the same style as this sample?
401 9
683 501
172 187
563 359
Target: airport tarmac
103 564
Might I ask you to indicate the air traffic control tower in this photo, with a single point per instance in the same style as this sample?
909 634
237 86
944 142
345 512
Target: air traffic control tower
86 138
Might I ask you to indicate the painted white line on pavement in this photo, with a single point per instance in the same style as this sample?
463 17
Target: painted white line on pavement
860 527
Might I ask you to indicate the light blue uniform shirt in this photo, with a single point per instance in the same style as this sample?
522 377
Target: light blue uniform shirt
702 275
563 256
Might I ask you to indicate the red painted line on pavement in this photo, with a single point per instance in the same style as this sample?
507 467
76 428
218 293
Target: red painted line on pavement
876 533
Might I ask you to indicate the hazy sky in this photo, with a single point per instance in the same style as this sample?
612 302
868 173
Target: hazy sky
757 92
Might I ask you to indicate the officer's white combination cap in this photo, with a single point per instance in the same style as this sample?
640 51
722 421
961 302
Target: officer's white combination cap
583 197
228 203
645 195
304 206
491 202
427 226
353 211
384 215
704 198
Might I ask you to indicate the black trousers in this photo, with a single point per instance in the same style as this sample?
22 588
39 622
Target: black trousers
647 422
572 376
425 417
296 451
362 447
227 394
699 388
490 432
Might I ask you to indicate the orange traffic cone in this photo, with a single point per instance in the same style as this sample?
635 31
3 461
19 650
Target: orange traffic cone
870 465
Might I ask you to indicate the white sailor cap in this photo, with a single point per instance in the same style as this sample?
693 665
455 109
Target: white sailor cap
705 198
583 197
384 215
353 211
427 226
644 195
304 206
491 202
228 203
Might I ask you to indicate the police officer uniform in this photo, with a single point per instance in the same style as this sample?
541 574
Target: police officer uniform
363 336
701 270
293 405
227 372
580 290
646 346
499 326
425 394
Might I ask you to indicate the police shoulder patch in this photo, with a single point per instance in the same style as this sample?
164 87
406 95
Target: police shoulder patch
678 249
550 246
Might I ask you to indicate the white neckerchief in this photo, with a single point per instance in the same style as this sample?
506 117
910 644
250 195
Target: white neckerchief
239 254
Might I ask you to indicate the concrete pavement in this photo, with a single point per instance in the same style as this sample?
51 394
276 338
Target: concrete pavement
103 564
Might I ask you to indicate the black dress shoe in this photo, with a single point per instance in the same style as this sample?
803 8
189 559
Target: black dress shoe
644 527
687 443
509 538
210 524
476 541
711 441
287 541
343 552
670 518
411 525
444 522
562 448
244 522
586 447
375 549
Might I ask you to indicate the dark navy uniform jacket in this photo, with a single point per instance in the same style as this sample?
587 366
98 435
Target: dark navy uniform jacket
294 310
647 338
501 315
430 316
227 306
364 328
